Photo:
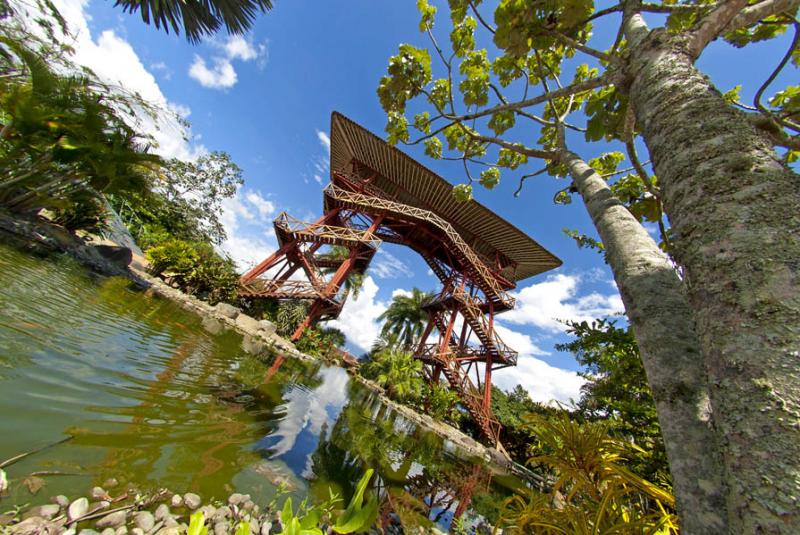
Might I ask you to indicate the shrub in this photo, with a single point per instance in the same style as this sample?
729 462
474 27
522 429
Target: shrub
195 268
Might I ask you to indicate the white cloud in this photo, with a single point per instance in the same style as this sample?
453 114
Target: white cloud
543 304
358 320
388 266
309 410
544 382
238 47
401 292
221 76
519 342
115 61
265 207
324 139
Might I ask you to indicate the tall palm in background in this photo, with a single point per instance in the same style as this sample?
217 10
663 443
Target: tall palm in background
199 18
405 318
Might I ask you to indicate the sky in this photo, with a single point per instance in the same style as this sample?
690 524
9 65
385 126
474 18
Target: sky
266 98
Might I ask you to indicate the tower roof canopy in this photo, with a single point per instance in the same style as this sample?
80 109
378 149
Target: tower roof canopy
408 181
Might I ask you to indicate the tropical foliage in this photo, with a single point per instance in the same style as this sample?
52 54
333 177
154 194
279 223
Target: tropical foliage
196 268
617 391
591 489
198 19
405 319
396 370
64 138
185 201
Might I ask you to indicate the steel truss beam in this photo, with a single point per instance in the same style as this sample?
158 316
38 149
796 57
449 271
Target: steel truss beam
459 339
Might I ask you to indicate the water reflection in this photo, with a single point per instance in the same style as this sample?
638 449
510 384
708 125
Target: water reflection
157 397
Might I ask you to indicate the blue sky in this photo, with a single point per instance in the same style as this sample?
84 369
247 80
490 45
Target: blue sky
266 99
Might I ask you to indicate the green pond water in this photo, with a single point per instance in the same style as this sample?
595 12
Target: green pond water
153 396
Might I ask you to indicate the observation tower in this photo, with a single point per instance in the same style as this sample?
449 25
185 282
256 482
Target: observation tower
379 194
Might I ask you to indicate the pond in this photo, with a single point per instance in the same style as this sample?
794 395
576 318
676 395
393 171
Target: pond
154 396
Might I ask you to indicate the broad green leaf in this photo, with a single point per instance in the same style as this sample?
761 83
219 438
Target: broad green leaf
433 147
490 177
462 38
197 524
502 121
462 192
427 13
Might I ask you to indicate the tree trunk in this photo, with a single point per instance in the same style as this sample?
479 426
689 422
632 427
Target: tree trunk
735 213
664 327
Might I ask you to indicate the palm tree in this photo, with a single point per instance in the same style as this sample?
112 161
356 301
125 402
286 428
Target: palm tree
200 18
354 281
405 318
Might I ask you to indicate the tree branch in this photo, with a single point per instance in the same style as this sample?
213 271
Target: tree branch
606 79
577 45
480 18
752 14
710 27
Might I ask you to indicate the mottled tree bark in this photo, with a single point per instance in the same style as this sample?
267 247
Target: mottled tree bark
662 321
735 213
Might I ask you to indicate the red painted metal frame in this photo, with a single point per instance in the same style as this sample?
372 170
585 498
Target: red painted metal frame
358 216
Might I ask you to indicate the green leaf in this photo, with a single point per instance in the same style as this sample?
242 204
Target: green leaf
475 85
427 13
462 192
357 516
490 177
197 524
510 158
243 528
462 38
408 72
433 147
607 163
563 197
732 96
286 513
396 127
502 121
422 122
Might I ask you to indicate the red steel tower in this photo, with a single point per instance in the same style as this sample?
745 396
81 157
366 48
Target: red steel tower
379 194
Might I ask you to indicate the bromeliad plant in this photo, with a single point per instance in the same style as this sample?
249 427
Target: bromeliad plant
357 518
592 492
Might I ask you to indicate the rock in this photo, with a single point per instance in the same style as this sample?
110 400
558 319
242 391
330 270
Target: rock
266 528
174 530
144 520
236 498
107 531
122 530
112 520
247 323
170 522
191 500
176 501
137 531
110 483
61 500
88 532
98 493
248 505
49 511
267 327
208 510
222 513
77 509
162 512
229 311
30 526
254 527
6 519
221 528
